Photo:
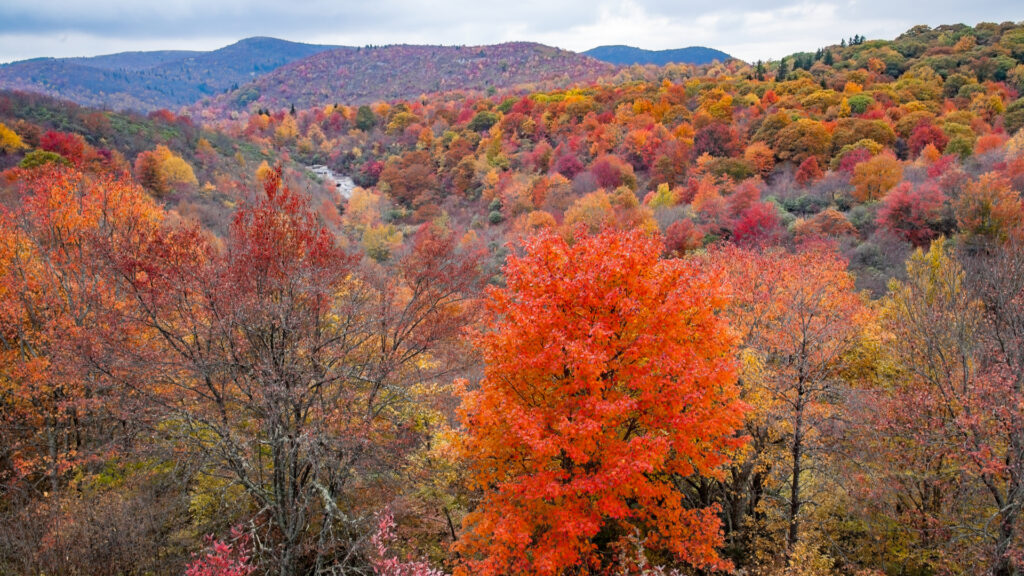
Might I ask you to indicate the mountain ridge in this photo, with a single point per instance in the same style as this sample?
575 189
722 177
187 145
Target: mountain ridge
147 81
405 71
624 55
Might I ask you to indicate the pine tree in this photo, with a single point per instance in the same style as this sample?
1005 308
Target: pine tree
782 72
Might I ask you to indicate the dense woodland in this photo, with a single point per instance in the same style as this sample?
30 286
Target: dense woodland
757 318
150 81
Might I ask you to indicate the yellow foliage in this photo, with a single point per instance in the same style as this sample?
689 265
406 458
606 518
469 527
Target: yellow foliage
662 197
9 141
844 108
536 220
1015 145
263 172
874 178
286 131
363 209
161 170
594 211
380 242
205 149
717 103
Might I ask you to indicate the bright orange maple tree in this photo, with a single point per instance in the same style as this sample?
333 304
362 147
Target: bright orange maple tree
609 379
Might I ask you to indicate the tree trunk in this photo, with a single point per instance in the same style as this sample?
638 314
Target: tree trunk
797 455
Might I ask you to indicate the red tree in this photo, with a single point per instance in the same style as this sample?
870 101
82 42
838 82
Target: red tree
808 172
607 374
915 213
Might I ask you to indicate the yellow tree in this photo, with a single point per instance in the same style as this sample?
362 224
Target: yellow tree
9 140
161 170
874 178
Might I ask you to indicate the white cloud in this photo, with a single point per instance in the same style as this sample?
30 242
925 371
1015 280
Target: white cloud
748 29
15 47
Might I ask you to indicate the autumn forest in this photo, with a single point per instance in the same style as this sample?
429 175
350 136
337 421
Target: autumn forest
575 318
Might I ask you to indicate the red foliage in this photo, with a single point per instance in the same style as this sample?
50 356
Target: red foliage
607 376
716 139
808 172
759 225
682 236
850 160
746 194
223 559
612 172
940 166
913 212
568 165
384 563
70 146
924 134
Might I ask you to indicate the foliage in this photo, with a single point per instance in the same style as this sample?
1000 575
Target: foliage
161 171
223 559
603 375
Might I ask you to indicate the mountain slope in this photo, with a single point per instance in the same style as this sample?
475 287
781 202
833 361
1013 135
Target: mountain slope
363 75
147 81
628 55
133 60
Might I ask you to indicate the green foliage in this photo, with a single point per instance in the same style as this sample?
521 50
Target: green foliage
860 102
962 146
365 118
483 121
37 158
1013 118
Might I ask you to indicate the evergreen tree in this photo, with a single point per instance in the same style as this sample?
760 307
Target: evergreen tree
783 71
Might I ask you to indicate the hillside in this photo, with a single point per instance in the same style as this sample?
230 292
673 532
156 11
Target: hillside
628 55
961 55
225 168
518 346
146 81
364 75
133 60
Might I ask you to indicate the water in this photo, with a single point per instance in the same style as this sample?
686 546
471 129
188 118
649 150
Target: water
343 184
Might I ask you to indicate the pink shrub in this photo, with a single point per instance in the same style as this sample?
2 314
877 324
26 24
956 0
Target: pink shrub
223 559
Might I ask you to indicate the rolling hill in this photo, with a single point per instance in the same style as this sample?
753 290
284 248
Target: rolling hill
628 55
145 81
364 75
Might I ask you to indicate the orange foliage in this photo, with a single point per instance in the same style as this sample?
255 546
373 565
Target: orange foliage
161 170
828 223
607 374
873 178
990 208
761 157
56 302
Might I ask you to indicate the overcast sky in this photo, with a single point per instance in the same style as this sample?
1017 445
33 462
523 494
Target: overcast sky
747 29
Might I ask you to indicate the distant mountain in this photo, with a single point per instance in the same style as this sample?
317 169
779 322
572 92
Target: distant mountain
134 60
364 75
628 55
145 81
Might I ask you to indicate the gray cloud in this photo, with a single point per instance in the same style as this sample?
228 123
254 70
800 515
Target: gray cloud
748 29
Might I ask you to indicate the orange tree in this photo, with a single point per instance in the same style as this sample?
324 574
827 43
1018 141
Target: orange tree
609 381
